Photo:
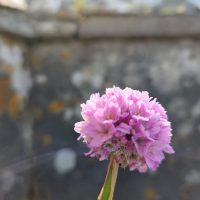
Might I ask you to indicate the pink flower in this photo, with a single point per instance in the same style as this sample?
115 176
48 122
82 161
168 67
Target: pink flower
127 124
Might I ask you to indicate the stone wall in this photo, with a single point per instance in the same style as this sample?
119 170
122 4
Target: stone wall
49 65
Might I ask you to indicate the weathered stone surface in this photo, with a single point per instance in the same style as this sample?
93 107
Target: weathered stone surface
33 26
131 26
43 82
16 23
15 79
168 70
14 128
54 29
27 26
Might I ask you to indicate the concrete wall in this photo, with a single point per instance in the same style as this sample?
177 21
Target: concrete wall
49 65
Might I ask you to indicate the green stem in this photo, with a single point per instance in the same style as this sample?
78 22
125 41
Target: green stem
110 180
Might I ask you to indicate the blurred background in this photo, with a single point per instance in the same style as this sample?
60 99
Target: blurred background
55 53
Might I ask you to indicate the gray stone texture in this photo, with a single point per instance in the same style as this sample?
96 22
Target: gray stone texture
49 67
33 26
168 70
14 148
132 26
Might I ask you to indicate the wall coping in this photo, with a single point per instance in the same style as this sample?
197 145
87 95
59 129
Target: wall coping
22 24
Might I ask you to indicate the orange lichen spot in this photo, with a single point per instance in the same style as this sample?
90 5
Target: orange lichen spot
62 14
35 62
7 69
4 92
150 193
66 55
9 41
46 139
55 106
15 105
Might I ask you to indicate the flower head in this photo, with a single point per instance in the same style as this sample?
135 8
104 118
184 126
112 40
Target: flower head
128 124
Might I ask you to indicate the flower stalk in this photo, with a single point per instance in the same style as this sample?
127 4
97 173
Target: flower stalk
108 188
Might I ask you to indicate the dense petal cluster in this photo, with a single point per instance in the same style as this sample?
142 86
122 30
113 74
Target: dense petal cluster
128 124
